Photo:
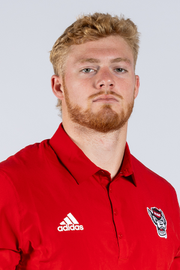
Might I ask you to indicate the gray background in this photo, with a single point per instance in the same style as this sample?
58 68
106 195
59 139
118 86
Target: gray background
27 106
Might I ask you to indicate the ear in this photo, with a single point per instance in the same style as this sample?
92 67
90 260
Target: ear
57 88
137 84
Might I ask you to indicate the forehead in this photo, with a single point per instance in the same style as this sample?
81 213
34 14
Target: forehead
102 49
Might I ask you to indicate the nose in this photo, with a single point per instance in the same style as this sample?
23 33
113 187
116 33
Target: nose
104 80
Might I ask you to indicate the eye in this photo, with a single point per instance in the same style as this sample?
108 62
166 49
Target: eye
87 70
120 70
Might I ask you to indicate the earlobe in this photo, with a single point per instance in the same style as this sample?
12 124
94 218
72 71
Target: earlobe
137 84
56 84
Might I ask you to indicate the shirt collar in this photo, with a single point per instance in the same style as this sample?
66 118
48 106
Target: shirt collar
72 157
77 163
126 168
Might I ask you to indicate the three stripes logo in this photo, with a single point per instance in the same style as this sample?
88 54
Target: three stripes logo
70 224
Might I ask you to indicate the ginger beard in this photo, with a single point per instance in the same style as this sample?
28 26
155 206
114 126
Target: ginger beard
105 120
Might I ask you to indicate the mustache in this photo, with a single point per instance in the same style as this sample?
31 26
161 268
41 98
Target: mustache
105 93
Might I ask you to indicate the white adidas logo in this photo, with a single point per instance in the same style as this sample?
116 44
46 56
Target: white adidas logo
70 224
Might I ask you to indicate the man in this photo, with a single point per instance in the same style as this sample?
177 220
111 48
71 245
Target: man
80 200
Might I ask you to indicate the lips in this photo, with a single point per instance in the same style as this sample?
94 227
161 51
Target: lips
106 98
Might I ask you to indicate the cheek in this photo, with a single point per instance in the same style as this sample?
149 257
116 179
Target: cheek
76 93
78 89
127 92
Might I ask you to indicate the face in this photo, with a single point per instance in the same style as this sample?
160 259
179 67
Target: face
99 85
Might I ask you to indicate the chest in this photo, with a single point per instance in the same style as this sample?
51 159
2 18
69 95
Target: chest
88 226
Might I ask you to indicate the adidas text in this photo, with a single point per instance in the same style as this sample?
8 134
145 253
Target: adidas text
70 228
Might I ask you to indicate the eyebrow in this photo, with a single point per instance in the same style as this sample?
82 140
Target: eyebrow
94 60
119 59
89 60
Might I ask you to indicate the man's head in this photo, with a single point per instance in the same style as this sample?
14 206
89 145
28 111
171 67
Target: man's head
94 64
90 28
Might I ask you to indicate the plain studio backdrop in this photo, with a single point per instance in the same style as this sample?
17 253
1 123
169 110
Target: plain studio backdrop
28 112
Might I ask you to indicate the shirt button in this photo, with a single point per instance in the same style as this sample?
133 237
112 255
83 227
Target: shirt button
120 236
110 189
115 212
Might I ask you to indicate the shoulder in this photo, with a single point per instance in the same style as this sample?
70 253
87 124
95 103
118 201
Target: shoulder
26 159
146 177
27 169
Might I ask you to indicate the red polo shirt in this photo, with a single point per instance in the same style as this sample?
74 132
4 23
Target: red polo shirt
59 211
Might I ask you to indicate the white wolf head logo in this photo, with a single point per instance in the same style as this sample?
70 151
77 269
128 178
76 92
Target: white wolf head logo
159 220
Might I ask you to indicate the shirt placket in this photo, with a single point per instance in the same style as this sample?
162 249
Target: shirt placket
117 218
105 180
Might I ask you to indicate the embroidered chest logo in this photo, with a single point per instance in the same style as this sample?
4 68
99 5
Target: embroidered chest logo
70 223
158 218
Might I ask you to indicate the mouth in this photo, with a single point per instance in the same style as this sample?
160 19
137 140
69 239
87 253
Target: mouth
106 99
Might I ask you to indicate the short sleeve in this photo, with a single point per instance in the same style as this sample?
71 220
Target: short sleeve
9 225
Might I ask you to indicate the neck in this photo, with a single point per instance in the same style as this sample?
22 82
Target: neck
105 150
